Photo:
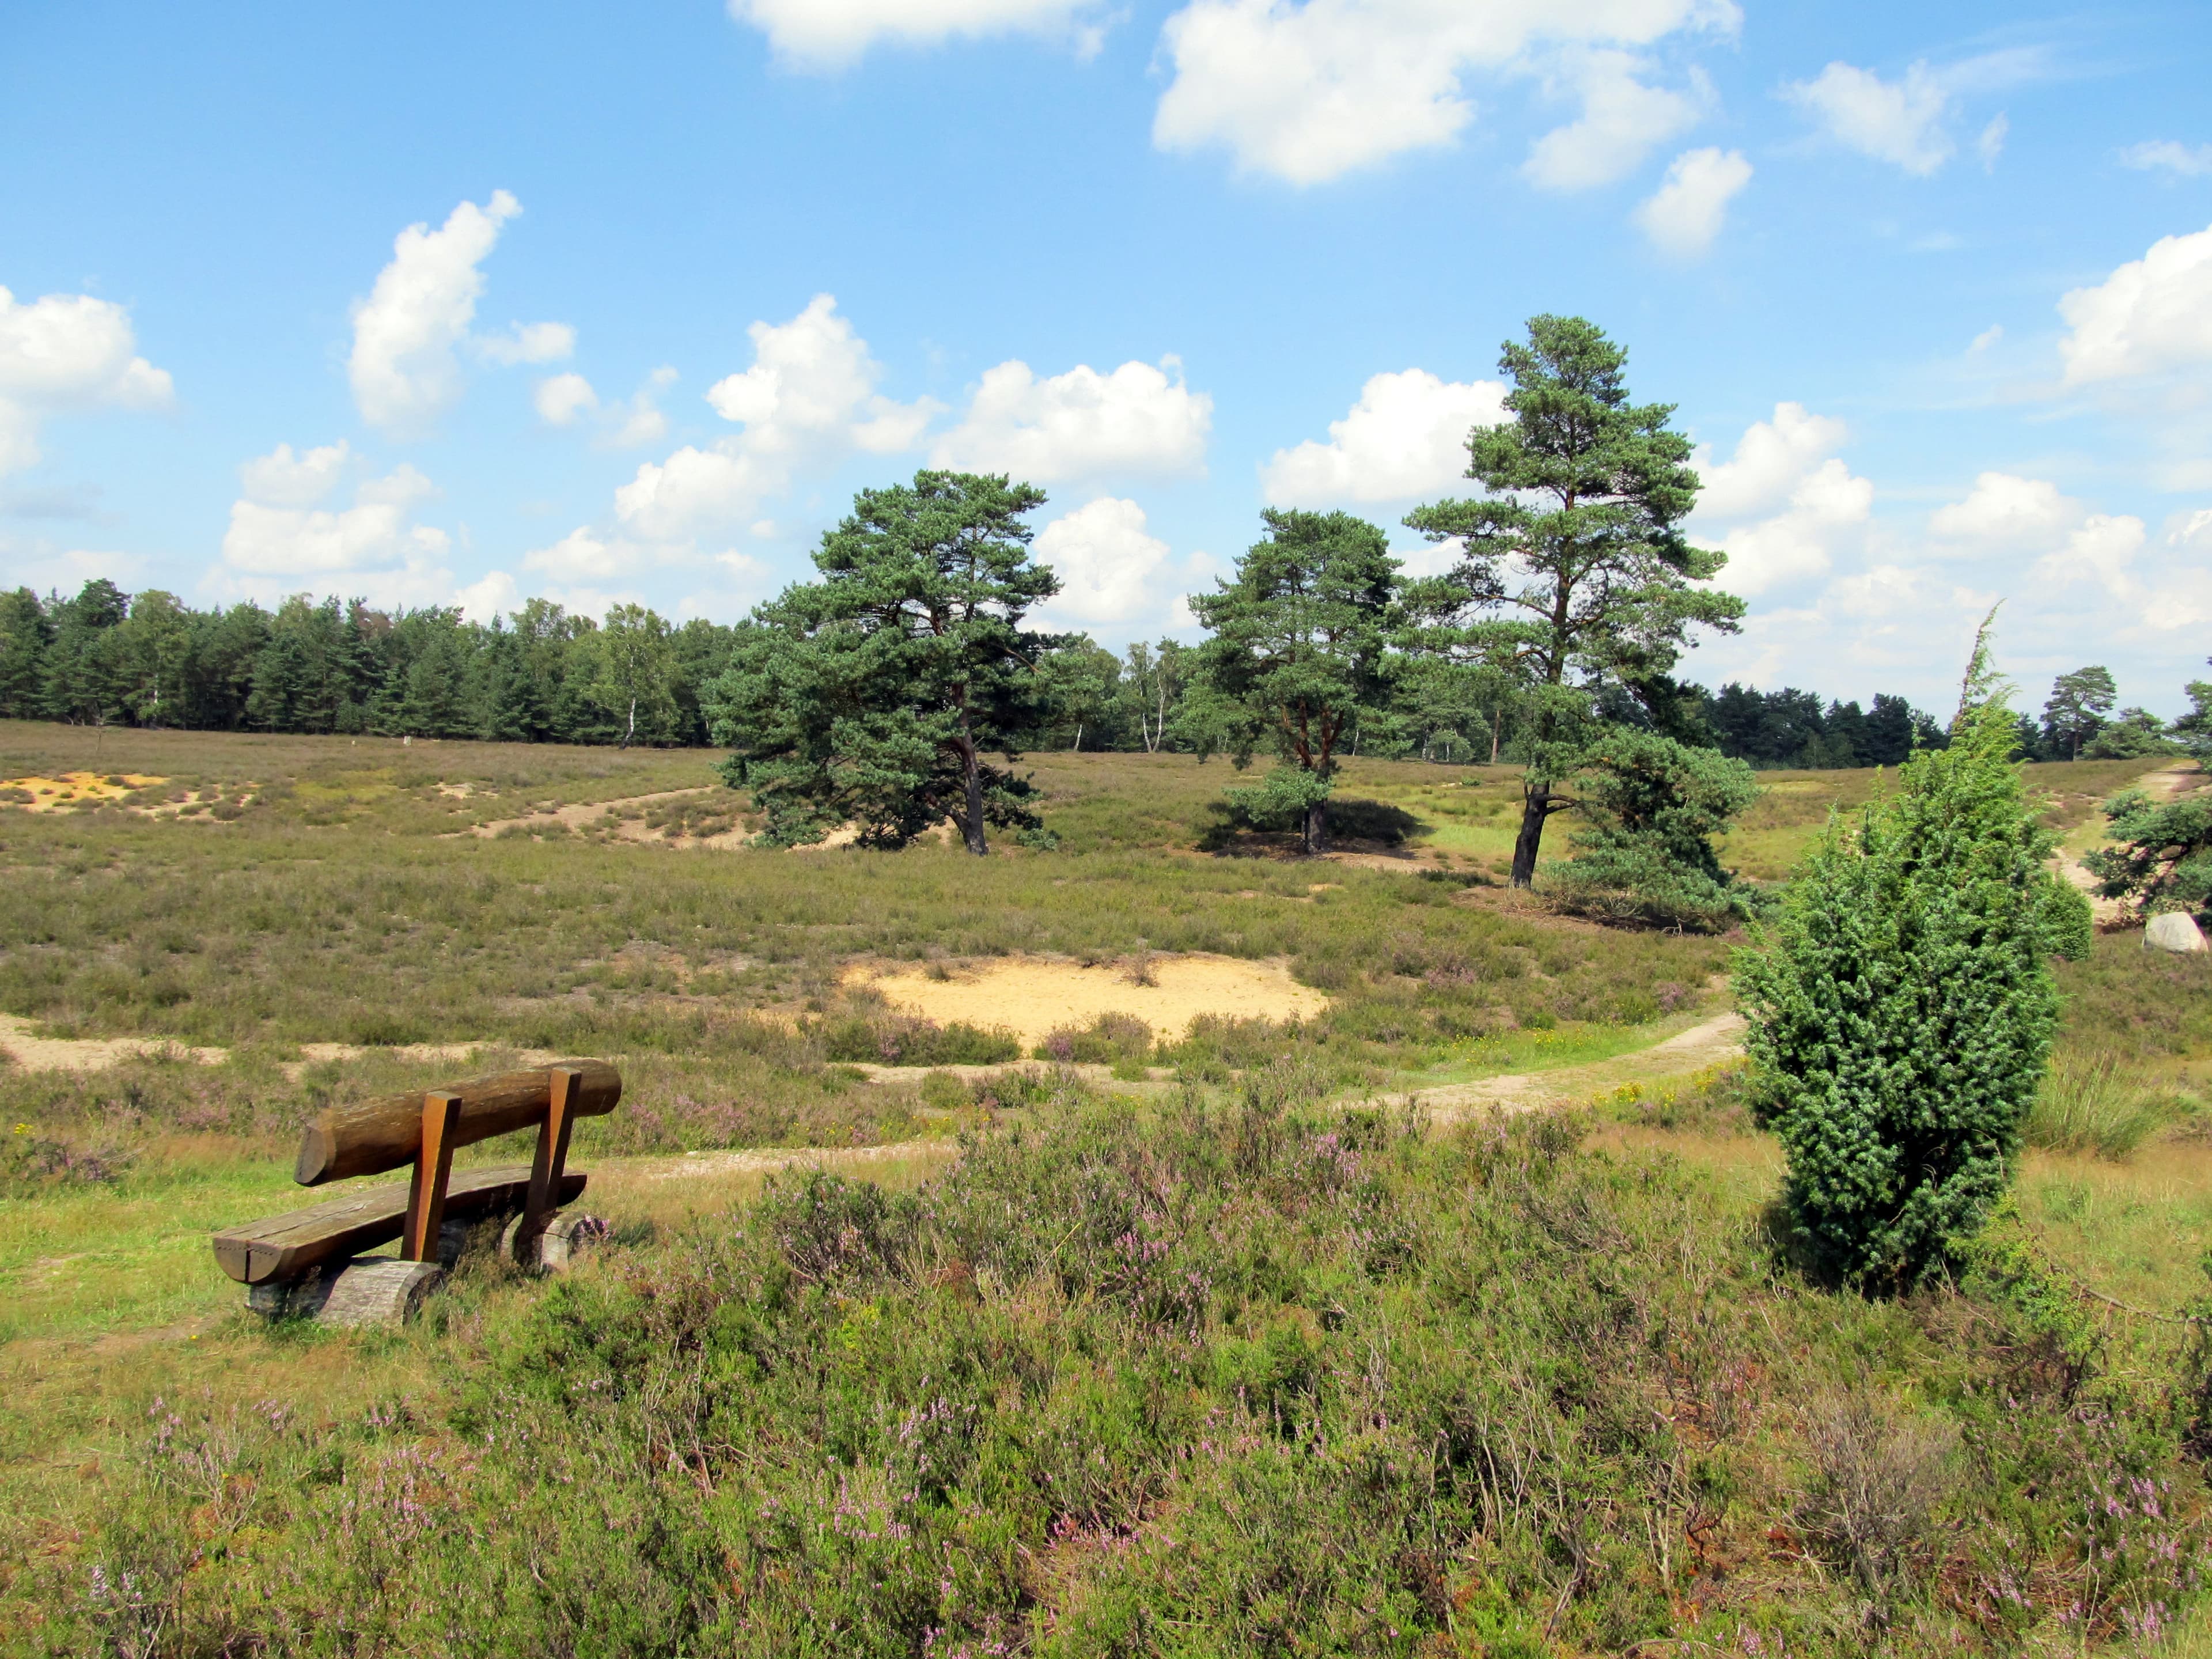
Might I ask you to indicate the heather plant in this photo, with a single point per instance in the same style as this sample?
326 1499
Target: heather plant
1902 1006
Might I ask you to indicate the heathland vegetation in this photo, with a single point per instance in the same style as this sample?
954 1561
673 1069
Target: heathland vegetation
1478 1296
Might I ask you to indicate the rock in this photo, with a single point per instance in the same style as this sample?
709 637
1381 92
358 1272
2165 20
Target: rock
2173 931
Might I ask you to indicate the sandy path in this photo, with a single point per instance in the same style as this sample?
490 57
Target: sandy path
580 816
2163 784
38 1053
767 1160
1713 1043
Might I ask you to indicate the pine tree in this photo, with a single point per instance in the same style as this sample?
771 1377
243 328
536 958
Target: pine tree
1902 1007
1575 563
1298 650
872 696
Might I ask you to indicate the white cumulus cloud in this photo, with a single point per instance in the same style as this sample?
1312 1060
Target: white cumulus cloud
1784 508
809 398
1405 437
66 352
529 343
2150 316
1622 120
1308 90
825 34
282 532
1686 212
1140 419
2005 513
1109 563
407 335
559 398
1900 121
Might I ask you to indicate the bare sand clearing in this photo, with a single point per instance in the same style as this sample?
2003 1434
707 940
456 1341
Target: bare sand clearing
577 816
1031 998
37 1053
74 789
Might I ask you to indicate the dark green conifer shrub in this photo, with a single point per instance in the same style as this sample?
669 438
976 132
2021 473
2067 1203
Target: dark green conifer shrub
1644 851
1902 1005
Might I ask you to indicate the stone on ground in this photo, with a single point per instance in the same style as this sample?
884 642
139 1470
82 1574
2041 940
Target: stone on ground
2173 931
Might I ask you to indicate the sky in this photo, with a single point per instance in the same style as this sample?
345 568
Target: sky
457 304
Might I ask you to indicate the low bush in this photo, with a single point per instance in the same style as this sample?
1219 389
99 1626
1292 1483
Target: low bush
1248 1380
910 1040
1107 1041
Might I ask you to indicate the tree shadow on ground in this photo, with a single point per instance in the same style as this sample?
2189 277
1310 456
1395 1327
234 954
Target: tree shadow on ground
1239 831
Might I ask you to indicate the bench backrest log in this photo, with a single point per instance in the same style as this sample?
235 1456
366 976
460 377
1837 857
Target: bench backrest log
377 1135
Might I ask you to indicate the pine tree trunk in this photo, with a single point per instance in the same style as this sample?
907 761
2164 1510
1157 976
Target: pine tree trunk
971 771
1535 807
1493 739
1317 827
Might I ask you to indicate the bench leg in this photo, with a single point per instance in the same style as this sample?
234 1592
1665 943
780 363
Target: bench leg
552 1155
434 1168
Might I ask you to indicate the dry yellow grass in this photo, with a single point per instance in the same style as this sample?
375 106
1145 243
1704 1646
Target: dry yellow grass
1032 999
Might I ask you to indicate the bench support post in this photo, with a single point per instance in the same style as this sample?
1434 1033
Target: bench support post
552 1153
434 1168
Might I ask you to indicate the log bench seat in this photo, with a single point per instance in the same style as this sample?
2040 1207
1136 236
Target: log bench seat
310 1261
286 1246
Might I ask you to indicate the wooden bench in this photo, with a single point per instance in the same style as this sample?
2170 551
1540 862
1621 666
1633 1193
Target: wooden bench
311 1261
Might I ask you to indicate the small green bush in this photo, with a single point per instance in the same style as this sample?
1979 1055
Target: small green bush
1107 1041
1902 1007
1644 851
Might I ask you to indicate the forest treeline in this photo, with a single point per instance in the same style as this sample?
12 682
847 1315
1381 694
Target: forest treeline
542 674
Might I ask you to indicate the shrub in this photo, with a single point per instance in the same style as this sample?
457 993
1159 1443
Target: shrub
1902 1008
1109 1040
1645 852
2163 859
903 1040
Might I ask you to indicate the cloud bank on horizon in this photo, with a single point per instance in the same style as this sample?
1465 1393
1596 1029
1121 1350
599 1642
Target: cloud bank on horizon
1161 414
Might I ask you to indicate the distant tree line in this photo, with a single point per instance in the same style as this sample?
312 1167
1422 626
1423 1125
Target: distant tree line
105 658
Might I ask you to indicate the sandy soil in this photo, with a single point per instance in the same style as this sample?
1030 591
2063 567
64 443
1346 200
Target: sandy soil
38 1053
74 789
314 1054
579 817
1031 998
764 1160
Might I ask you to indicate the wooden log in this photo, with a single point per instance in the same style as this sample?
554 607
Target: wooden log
286 1246
556 1246
371 1290
377 1135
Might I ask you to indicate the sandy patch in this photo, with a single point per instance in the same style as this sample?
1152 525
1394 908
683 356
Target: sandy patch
38 1053
1032 997
74 789
582 816
766 1160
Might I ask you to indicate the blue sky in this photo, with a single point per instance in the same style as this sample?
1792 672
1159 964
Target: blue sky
461 304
